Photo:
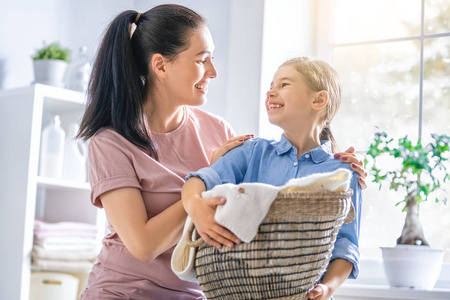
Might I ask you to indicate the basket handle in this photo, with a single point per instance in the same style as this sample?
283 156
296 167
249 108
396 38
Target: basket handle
188 237
351 214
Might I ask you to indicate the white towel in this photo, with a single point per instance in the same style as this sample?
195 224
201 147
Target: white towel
66 243
81 266
183 256
72 255
246 206
77 229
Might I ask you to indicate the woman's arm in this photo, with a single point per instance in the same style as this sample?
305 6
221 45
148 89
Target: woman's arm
337 272
145 238
202 213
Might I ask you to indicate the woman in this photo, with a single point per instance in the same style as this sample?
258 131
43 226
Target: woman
146 135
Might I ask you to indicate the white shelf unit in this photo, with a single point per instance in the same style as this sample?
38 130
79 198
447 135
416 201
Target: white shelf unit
24 194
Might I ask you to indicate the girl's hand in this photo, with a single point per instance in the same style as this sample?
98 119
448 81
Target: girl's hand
212 232
357 165
320 292
228 145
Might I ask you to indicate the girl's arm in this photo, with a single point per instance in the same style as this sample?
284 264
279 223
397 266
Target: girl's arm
145 238
337 272
202 213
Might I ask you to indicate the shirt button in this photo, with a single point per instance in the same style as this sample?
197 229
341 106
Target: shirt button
307 155
295 164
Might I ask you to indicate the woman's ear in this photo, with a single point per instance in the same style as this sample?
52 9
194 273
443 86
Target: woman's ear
320 100
158 65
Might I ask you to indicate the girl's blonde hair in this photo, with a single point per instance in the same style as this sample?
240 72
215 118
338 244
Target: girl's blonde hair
320 76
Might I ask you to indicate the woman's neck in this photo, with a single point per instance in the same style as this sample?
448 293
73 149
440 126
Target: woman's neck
161 117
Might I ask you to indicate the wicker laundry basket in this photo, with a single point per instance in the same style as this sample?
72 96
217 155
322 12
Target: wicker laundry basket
287 257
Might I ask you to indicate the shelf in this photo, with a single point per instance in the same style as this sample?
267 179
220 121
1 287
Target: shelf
52 183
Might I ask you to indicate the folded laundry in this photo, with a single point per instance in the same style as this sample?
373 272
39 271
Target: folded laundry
66 243
70 255
44 229
63 265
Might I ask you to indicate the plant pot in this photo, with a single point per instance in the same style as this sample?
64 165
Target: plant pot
412 266
50 71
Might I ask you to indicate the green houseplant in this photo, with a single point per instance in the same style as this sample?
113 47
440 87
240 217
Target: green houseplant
418 172
50 64
53 51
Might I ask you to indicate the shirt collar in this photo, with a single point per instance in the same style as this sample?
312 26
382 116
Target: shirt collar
318 154
283 145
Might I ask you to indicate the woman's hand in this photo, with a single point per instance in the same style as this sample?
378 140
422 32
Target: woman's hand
228 145
357 165
320 292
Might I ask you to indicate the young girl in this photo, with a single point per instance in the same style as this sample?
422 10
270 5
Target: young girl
303 99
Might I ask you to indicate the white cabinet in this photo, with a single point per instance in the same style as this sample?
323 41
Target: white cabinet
23 114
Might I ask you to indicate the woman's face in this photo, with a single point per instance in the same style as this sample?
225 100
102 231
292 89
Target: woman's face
289 99
188 75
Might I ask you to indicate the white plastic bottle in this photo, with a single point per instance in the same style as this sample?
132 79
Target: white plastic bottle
79 71
52 150
74 166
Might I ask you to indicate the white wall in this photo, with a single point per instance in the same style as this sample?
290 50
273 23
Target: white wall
25 24
287 33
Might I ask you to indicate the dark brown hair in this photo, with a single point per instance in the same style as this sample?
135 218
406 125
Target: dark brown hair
121 76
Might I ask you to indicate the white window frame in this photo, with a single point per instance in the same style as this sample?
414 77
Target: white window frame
372 273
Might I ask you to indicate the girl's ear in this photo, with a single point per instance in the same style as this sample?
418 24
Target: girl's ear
158 65
320 100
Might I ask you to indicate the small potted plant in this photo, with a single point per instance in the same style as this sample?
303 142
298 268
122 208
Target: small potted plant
418 172
50 63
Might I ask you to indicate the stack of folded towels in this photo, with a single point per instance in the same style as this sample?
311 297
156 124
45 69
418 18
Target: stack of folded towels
64 246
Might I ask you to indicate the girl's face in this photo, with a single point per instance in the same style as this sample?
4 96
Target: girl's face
289 99
188 75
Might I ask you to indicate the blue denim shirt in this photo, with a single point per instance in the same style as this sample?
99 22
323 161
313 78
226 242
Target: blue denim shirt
275 162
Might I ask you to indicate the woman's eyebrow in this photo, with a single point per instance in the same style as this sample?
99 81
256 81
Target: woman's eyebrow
204 52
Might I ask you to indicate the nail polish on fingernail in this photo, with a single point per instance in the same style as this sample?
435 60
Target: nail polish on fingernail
230 245
344 158
337 155
241 140
237 241
353 165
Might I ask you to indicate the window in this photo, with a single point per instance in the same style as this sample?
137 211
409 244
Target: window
393 57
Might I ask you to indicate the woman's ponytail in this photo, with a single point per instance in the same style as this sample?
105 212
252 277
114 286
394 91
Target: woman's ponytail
116 92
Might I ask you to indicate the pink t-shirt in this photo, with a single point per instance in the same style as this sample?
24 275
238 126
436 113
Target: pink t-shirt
117 163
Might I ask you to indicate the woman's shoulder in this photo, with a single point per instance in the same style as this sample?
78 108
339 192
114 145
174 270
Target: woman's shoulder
109 137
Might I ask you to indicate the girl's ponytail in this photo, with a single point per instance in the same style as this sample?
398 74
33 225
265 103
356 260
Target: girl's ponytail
327 135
